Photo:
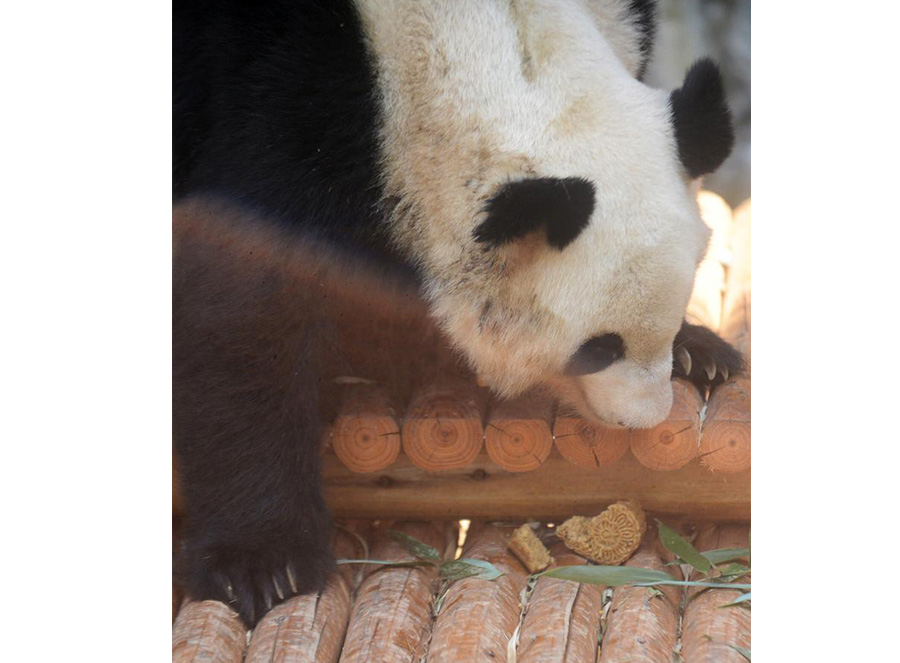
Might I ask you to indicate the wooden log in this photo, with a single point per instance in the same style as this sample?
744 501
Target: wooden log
676 441
563 618
365 434
304 629
478 617
392 615
518 435
352 541
725 439
443 427
705 305
556 490
208 631
643 621
709 631
588 445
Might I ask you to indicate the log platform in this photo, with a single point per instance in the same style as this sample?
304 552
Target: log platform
446 451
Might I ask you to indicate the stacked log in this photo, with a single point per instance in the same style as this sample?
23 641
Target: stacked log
518 435
643 621
365 434
391 619
725 442
443 427
477 617
676 441
208 631
562 620
710 630
589 445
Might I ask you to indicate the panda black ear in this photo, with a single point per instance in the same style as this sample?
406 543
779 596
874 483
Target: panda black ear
702 120
561 207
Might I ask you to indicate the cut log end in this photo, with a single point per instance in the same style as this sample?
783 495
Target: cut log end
366 435
676 441
518 445
587 445
725 444
443 428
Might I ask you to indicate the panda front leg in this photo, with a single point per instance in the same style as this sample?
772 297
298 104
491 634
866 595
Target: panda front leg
703 357
247 432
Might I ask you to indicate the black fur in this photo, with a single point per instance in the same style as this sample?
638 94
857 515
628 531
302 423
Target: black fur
644 16
705 348
275 108
562 207
246 426
596 354
701 119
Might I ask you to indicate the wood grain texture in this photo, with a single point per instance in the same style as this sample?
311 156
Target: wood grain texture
392 615
676 441
563 618
478 617
208 631
304 629
587 445
708 629
365 434
518 435
443 426
643 621
557 489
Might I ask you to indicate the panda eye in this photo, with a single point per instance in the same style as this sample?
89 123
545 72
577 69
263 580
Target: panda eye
596 354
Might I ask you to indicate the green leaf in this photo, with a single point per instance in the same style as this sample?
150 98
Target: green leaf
740 650
674 543
743 598
722 555
465 567
611 576
415 547
732 572
421 562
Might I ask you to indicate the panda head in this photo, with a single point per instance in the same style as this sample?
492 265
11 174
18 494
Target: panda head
548 197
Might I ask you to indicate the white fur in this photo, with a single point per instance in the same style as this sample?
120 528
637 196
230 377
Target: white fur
480 92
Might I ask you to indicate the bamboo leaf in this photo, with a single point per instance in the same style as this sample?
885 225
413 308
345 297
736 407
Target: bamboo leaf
415 547
722 555
611 576
465 567
676 544
742 651
743 598
382 562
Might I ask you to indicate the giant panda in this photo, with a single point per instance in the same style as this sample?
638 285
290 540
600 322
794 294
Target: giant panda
496 167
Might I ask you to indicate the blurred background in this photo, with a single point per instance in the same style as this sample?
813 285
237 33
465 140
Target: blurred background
691 29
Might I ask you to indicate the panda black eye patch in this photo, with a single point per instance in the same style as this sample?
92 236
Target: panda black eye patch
561 207
596 354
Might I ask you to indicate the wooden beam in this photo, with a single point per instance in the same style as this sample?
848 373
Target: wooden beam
557 489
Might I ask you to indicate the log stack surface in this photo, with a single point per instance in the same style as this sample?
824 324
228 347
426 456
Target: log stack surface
408 615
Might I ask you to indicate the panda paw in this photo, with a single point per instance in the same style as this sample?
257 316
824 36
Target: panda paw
702 357
253 580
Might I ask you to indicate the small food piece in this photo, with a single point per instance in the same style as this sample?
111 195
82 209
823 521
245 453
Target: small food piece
525 545
609 538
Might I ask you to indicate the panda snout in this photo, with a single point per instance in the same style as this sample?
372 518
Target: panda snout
627 396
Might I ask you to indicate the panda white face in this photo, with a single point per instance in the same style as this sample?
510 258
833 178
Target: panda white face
545 193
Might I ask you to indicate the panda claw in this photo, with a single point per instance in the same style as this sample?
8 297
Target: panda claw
278 589
724 372
291 578
684 358
710 371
